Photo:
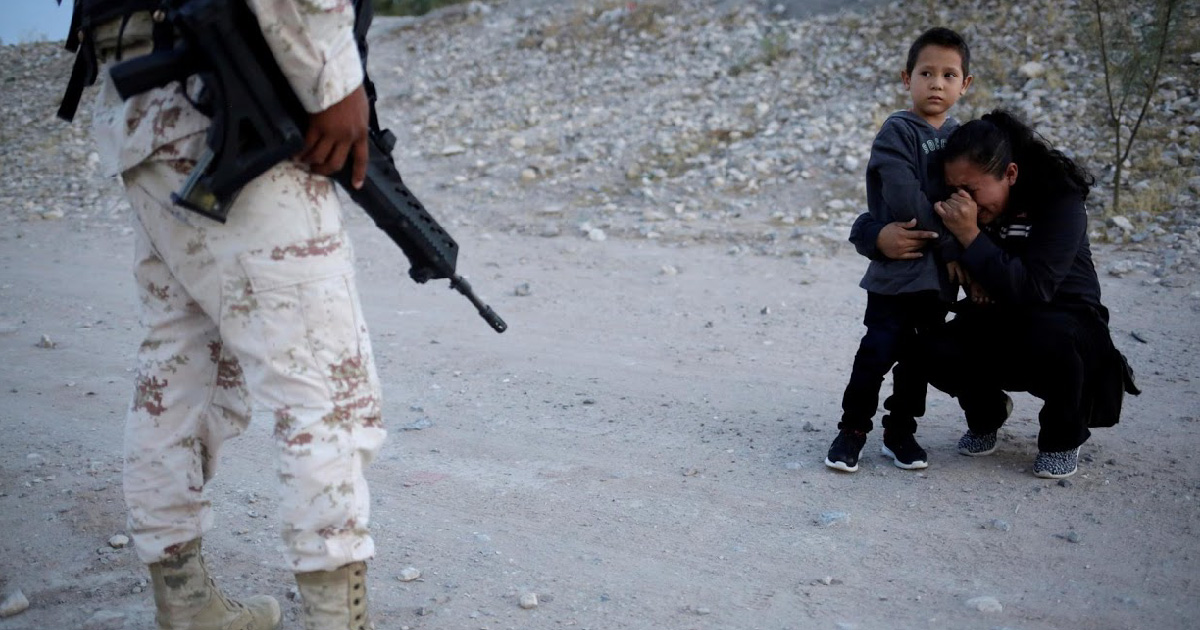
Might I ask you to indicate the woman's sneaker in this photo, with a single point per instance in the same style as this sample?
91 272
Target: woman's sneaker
976 445
979 444
843 454
1056 465
904 451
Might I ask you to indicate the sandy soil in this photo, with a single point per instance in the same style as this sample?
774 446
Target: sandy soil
642 449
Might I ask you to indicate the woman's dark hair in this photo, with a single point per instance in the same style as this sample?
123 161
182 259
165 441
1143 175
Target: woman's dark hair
1000 138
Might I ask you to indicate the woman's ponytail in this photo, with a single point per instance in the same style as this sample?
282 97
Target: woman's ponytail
1000 138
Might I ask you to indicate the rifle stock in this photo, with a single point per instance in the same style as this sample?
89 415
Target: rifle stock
257 122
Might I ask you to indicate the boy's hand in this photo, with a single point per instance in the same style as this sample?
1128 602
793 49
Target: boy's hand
338 133
899 241
958 275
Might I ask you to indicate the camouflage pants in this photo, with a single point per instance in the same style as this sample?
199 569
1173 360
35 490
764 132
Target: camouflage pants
257 317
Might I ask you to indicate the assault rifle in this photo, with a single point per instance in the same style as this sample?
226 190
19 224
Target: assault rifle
257 122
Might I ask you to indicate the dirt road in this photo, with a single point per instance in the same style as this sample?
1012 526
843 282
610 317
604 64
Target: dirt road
642 449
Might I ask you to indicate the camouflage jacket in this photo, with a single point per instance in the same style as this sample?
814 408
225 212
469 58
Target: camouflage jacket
312 40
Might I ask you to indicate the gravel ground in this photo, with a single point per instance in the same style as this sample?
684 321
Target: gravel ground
656 196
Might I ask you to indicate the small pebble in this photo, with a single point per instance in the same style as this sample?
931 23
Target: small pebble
118 541
13 603
829 519
419 424
529 601
408 574
985 604
105 620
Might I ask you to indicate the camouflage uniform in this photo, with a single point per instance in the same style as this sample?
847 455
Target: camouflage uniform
256 317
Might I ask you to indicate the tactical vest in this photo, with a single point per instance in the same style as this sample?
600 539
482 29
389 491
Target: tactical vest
91 16
87 17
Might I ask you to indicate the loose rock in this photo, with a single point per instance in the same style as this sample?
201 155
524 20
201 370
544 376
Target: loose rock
1032 70
986 604
829 519
999 525
105 620
408 574
13 603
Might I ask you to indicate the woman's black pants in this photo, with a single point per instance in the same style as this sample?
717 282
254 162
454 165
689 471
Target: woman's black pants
1043 350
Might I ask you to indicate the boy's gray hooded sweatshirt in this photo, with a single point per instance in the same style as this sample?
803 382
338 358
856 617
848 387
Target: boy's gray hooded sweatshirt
904 178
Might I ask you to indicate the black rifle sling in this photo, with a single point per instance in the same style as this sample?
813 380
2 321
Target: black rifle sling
86 16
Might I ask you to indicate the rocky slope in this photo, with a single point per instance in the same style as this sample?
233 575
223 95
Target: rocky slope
684 120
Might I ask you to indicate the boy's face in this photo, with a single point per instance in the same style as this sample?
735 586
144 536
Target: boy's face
936 83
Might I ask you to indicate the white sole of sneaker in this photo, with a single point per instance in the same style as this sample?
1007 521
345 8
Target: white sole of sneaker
963 451
917 465
1045 474
841 465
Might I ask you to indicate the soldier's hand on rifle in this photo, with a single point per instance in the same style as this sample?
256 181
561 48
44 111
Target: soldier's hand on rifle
338 133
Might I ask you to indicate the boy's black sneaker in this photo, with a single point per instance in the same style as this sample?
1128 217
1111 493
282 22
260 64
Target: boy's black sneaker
847 446
904 451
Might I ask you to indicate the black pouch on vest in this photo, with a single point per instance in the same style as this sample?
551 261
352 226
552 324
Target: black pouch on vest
88 15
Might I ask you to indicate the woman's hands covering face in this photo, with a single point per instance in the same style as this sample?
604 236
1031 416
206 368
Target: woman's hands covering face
960 215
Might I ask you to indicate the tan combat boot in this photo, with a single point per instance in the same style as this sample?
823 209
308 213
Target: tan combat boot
335 600
186 598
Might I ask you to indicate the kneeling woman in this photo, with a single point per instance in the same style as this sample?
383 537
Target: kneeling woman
1035 322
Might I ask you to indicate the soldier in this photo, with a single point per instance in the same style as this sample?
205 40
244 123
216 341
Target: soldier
258 317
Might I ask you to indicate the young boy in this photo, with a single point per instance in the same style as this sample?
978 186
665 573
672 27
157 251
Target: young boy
904 178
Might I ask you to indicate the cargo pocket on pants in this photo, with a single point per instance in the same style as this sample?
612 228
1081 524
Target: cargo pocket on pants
301 323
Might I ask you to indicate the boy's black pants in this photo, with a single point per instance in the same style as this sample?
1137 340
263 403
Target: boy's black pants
894 323
1044 350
